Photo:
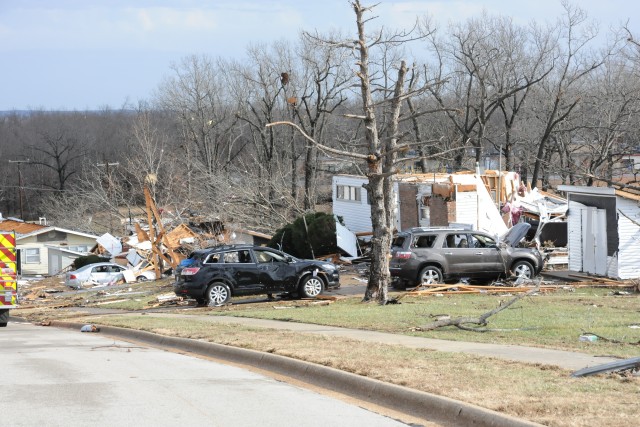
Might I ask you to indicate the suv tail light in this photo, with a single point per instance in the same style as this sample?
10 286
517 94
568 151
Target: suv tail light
73 277
190 271
402 255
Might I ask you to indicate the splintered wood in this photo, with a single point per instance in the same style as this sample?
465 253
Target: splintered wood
461 288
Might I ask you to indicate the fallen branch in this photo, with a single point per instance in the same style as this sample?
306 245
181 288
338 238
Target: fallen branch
460 322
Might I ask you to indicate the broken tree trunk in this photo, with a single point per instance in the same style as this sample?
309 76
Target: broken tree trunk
460 322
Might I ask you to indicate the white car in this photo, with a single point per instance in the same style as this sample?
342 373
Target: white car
102 273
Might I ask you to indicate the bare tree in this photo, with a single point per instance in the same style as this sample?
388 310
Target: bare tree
602 132
257 86
319 92
485 65
196 94
379 147
59 152
559 94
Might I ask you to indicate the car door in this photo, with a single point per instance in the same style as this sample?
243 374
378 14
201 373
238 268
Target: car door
99 274
490 261
461 260
242 270
115 273
276 273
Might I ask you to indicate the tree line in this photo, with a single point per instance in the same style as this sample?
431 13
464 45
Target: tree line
557 102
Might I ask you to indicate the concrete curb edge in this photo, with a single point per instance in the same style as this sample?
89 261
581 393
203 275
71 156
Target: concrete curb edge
415 403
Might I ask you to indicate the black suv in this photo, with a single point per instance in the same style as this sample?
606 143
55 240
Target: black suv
215 274
423 255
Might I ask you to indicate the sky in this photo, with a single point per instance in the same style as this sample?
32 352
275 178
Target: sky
94 54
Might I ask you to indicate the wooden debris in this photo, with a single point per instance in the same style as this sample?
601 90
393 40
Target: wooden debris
327 297
461 288
168 297
596 279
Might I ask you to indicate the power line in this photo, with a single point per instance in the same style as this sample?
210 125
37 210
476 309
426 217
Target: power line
32 188
21 190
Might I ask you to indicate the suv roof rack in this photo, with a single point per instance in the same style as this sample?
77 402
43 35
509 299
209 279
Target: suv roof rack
417 229
226 246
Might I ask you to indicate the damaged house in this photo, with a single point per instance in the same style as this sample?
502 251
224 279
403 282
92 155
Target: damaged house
491 201
46 250
604 231
424 200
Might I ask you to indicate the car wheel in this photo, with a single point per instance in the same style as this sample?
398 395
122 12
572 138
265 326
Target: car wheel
430 275
523 269
218 294
4 318
141 278
311 287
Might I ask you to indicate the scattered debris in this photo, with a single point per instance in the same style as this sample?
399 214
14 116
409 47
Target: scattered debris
89 328
590 336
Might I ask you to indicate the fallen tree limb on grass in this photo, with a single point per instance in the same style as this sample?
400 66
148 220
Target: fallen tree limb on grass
461 322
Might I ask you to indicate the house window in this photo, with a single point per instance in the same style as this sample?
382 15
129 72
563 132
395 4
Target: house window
348 192
32 256
79 248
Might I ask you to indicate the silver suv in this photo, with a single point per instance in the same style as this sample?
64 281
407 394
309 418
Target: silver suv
423 255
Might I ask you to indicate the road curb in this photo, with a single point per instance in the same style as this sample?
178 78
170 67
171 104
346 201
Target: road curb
415 403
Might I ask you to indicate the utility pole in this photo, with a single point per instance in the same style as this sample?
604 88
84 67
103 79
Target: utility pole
106 165
20 189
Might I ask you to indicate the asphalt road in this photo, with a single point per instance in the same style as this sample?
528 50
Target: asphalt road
55 377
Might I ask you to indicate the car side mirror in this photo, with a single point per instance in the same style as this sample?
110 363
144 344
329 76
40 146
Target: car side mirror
288 259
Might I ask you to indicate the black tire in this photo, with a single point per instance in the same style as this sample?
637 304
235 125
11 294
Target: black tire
430 275
523 269
311 287
141 278
4 318
218 294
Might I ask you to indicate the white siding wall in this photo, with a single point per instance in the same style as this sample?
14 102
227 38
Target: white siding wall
612 265
467 208
356 215
574 238
30 268
629 239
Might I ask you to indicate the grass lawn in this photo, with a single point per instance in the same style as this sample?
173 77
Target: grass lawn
552 319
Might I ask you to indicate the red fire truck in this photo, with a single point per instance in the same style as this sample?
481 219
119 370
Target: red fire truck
8 281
